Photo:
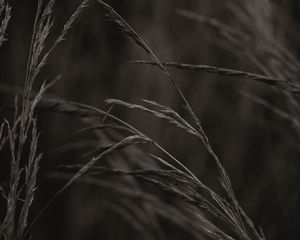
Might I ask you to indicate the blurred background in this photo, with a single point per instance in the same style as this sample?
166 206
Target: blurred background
258 149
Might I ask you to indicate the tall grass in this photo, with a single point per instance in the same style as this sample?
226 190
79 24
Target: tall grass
23 129
196 208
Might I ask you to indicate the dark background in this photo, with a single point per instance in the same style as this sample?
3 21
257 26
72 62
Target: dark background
258 150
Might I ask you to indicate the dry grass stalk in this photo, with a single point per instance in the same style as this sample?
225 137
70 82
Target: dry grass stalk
236 214
128 30
222 209
276 82
185 217
5 15
15 222
255 37
179 182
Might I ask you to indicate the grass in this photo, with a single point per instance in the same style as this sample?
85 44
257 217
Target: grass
178 196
